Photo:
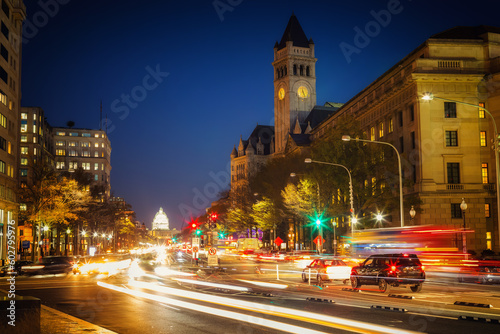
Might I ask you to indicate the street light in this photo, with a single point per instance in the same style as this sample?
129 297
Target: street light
348 138
412 213
430 97
320 243
354 220
463 206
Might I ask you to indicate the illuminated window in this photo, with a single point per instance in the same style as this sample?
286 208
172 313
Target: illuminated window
3 121
102 145
85 134
34 128
372 133
60 165
96 166
73 165
96 144
391 125
72 153
24 149
3 97
482 138
24 171
24 125
96 177
73 144
24 162
481 110
22 207
60 152
24 115
381 129
85 144
96 154
73 134
451 138
85 153
59 133
60 143
96 135
86 165
374 181
487 214
484 173
24 138
9 147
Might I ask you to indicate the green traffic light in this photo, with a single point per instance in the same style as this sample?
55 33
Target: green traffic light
198 232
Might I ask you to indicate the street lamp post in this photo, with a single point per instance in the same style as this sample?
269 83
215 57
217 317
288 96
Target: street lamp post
412 214
463 206
353 217
320 239
348 138
430 97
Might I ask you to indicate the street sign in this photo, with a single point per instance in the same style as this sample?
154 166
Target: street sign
195 249
212 251
278 241
213 260
195 241
26 244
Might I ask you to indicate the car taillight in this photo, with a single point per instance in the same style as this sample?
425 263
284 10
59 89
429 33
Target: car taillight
393 268
423 268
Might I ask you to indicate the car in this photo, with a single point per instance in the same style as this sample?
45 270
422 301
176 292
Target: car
482 271
17 268
50 265
389 270
326 269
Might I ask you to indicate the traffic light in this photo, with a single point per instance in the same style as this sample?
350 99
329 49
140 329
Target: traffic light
198 232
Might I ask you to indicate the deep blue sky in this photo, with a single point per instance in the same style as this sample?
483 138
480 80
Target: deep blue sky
166 144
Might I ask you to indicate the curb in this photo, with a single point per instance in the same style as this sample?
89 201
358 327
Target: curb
320 300
84 325
401 296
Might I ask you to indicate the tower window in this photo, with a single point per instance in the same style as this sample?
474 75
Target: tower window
286 71
301 69
307 71
294 69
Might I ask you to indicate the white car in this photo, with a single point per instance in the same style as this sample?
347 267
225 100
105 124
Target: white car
326 270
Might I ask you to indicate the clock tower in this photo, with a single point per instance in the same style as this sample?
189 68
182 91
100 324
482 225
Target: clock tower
294 81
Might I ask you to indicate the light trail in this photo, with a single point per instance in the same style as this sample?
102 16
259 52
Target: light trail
319 319
213 285
265 284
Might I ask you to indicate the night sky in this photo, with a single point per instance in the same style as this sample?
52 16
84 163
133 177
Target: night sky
180 81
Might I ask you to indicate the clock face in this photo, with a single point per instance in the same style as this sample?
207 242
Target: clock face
281 94
303 92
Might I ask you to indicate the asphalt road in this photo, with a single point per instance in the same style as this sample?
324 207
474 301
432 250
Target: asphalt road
160 304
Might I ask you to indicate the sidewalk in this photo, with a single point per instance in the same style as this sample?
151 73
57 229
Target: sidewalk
55 322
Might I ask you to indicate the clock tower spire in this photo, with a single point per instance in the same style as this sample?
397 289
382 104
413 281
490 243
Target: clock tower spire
294 81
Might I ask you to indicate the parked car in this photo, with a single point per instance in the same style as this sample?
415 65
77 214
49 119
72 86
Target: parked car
8 270
325 269
386 270
482 271
50 265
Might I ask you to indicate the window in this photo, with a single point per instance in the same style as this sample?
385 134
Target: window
24 162
4 52
453 169
391 125
374 182
3 97
294 69
401 144
400 117
24 149
487 212
24 138
60 152
451 138
72 153
6 8
96 166
60 143
3 144
96 154
24 171
3 74
96 177
456 212
450 110
3 120
59 133
413 143
73 134
73 165
86 165
484 173
85 144
24 125
73 144
5 30
85 153
482 138
381 129
60 165
85 134
24 115
96 144
411 111
372 133
481 110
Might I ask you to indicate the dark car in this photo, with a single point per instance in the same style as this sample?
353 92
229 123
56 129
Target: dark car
482 271
50 265
386 270
17 268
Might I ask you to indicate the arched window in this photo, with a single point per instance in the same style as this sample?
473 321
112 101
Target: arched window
285 71
277 73
307 71
301 70
294 69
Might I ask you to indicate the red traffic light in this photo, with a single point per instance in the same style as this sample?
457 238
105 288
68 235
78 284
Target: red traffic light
213 216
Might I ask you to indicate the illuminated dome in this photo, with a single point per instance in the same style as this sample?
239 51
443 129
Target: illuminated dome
161 221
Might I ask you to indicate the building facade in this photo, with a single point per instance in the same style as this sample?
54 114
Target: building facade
12 15
445 145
